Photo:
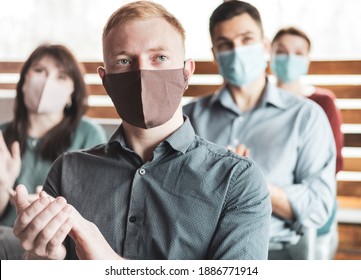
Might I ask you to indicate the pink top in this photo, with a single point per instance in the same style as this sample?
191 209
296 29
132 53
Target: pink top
326 99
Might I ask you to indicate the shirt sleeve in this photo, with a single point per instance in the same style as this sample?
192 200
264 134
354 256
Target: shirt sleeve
335 119
243 228
53 187
52 183
313 194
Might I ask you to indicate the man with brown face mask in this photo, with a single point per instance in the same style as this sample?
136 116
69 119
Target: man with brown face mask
155 190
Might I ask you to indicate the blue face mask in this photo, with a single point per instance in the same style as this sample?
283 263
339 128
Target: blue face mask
242 65
289 68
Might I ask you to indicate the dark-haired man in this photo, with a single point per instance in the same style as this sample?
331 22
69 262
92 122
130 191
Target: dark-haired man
287 136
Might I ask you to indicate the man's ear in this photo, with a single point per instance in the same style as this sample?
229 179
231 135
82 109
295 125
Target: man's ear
101 72
214 55
189 67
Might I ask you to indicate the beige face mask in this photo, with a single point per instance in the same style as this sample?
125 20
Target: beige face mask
146 98
46 95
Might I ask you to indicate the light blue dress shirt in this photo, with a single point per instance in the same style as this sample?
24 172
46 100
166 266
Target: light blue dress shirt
290 138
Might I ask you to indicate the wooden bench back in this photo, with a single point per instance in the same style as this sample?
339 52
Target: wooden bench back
338 76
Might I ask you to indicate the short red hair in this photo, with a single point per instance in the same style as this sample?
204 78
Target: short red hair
142 10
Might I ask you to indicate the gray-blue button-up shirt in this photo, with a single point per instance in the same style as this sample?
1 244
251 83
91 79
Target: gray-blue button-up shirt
193 200
290 138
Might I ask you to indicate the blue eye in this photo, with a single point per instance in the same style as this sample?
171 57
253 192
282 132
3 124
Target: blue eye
123 61
162 58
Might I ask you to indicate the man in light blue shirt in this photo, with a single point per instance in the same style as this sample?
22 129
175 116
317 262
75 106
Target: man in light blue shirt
287 136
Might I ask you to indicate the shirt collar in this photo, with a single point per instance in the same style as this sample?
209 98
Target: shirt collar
270 95
180 140
117 137
183 137
224 97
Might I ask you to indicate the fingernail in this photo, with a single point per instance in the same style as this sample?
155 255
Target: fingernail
67 209
11 192
44 200
60 200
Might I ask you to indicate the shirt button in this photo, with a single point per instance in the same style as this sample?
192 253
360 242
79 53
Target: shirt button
235 142
141 171
133 219
34 143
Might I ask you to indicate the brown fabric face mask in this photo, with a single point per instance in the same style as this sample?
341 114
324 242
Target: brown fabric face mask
146 98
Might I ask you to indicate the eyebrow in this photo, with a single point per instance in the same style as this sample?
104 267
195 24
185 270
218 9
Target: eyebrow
156 49
161 48
282 45
36 64
238 35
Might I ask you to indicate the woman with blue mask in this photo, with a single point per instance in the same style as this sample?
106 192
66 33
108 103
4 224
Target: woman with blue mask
289 62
